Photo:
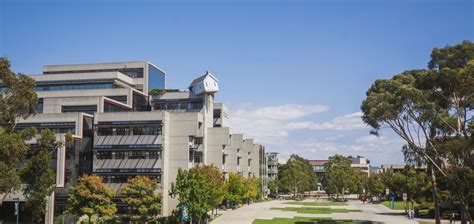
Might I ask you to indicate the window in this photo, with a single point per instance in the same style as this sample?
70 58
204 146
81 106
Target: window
154 155
110 107
137 155
223 158
238 161
127 130
89 109
62 87
121 99
104 155
156 78
39 106
120 155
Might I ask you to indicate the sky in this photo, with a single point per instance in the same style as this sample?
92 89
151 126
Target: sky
292 72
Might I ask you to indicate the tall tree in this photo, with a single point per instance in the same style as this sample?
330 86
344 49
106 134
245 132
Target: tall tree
17 101
296 175
37 174
141 194
217 186
91 197
236 188
192 188
423 105
339 176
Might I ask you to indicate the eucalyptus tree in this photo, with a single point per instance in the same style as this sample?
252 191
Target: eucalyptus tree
424 107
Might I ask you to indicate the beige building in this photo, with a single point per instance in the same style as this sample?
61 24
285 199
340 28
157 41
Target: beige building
121 131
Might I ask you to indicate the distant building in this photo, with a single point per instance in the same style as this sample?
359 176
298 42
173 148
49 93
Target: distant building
399 167
318 170
360 163
272 164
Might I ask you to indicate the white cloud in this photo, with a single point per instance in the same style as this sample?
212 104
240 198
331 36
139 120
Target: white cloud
346 134
269 124
347 122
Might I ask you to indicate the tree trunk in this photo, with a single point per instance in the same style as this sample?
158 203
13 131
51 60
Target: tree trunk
434 196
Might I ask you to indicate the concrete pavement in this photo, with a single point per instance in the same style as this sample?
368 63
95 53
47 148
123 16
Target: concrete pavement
374 212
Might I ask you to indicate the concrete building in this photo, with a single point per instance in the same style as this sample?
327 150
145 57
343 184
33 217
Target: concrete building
360 163
272 162
399 167
120 131
318 170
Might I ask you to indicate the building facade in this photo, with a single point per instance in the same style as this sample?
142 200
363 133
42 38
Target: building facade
272 163
121 131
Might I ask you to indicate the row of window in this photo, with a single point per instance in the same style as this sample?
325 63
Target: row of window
129 155
178 106
76 87
108 131
124 179
131 72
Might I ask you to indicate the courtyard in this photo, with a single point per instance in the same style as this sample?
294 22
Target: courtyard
312 211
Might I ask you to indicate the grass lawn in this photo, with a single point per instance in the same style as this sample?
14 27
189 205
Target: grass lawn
306 220
316 210
315 203
399 205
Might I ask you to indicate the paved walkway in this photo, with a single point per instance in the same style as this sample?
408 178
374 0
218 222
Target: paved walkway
374 212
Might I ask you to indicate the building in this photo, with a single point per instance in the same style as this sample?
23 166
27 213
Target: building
319 170
272 163
399 168
360 163
121 131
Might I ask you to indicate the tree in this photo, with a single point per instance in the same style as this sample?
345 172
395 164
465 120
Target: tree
375 186
91 197
37 174
339 176
423 105
359 182
192 188
273 186
17 101
296 175
142 197
252 188
236 188
156 92
217 186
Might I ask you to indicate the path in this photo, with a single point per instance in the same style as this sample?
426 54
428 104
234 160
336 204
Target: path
373 212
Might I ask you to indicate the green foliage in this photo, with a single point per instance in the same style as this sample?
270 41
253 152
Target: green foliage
273 186
18 98
316 203
217 186
339 175
236 188
306 220
432 110
17 101
253 188
155 92
141 195
200 188
375 186
316 210
296 175
91 197
37 174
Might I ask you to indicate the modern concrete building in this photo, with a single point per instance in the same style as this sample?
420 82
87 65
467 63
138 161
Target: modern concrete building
360 163
272 162
399 167
120 131
318 170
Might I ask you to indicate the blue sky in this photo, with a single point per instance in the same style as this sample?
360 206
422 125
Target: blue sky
293 73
